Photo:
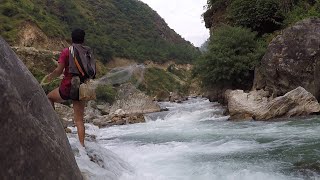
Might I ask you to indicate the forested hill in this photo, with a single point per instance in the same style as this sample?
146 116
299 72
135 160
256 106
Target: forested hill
115 28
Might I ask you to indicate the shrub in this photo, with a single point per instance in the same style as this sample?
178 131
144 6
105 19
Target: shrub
264 16
301 11
9 11
232 56
106 93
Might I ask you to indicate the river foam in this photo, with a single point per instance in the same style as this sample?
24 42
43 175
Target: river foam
194 140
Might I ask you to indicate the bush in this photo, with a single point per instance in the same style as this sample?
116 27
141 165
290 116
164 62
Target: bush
9 11
232 56
106 93
301 11
264 16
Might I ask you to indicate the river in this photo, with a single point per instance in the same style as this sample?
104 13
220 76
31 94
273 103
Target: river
194 141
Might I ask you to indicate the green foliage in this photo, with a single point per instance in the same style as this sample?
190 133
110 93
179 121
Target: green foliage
157 80
114 28
263 16
180 73
106 93
217 4
232 56
302 10
234 52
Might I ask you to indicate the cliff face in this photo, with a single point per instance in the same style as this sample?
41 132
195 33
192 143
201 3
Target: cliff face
292 59
216 14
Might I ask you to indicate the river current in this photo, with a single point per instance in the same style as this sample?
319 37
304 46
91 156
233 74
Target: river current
194 141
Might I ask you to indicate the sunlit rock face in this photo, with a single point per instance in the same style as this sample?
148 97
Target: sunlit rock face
259 106
33 142
292 59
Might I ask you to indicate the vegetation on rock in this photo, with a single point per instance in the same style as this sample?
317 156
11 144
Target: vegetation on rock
234 50
106 93
160 81
263 16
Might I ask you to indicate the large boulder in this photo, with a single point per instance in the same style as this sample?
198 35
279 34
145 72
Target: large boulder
33 142
133 101
292 60
259 106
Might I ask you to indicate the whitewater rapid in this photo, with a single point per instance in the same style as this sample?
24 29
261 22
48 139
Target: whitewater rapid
194 140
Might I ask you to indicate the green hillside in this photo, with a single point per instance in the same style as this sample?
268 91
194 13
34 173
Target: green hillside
115 28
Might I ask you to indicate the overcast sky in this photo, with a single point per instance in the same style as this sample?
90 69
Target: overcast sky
184 16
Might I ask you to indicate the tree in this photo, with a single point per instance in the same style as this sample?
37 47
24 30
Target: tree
232 56
263 16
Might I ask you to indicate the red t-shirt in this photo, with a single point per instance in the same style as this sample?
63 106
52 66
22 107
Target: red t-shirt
64 59
65 85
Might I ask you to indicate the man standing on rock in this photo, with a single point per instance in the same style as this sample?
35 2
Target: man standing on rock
72 64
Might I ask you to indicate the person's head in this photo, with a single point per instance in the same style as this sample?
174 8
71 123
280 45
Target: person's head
78 36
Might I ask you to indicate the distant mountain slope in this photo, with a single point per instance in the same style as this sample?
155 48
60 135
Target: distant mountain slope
115 28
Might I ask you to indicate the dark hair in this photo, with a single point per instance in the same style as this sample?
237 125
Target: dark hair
78 36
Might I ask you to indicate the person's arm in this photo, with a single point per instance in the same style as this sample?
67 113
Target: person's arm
56 73
64 56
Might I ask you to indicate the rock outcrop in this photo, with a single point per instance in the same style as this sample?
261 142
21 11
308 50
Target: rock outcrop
115 119
292 60
259 106
96 114
133 101
216 94
33 142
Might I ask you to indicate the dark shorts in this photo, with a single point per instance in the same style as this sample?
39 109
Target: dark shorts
64 88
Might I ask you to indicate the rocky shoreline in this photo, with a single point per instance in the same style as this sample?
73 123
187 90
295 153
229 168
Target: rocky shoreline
259 105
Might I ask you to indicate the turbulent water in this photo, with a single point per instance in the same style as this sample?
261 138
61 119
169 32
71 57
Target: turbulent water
193 140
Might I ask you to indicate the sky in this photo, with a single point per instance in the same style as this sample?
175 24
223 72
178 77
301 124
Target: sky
184 16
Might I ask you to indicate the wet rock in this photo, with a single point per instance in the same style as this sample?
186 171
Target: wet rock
112 120
177 97
67 130
307 169
33 142
137 118
259 106
102 121
90 137
164 109
292 59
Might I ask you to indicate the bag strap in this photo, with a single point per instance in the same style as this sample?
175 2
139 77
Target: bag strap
76 62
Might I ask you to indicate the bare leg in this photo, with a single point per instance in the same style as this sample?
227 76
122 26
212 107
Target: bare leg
78 108
54 96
